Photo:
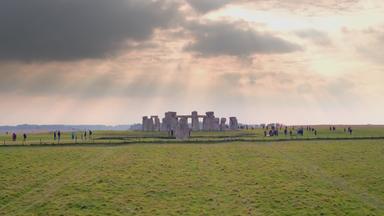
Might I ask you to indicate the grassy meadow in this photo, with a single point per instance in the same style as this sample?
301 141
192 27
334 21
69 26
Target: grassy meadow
294 177
124 137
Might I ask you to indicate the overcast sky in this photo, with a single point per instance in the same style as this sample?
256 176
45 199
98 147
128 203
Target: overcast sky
111 62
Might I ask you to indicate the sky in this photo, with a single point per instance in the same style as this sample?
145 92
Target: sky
112 62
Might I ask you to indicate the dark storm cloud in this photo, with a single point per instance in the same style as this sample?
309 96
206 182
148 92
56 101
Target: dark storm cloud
303 6
76 29
205 6
221 38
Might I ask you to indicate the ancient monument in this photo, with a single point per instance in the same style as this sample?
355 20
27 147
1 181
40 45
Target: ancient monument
178 126
233 124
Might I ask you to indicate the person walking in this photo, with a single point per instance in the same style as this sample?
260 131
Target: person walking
14 137
58 136
24 138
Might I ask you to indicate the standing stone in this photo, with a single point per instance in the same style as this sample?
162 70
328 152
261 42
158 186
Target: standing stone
216 124
144 123
195 121
170 122
233 124
222 124
210 123
150 124
156 122
182 129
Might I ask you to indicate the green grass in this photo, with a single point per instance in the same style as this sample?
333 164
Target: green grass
269 178
120 137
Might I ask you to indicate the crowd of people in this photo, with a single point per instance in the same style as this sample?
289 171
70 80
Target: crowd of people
84 135
14 137
273 130
346 130
269 130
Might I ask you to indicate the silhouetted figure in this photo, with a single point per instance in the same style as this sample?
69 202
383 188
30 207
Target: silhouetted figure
290 133
350 130
85 135
54 135
24 137
58 135
73 135
300 131
14 137
315 132
265 133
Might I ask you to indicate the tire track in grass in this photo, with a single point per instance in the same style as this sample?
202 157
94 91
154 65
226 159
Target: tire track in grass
357 192
41 183
42 193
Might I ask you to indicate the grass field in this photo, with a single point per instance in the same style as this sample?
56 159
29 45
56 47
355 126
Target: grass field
297 177
291 178
121 137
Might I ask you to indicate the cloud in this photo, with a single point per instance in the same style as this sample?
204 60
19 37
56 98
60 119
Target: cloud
205 6
65 30
307 7
317 37
70 80
372 45
222 38
304 6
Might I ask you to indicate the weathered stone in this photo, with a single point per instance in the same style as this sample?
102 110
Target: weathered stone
156 122
210 123
170 122
233 124
222 124
195 121
147 124
144 123
210 114
150 124
182 130
216 124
